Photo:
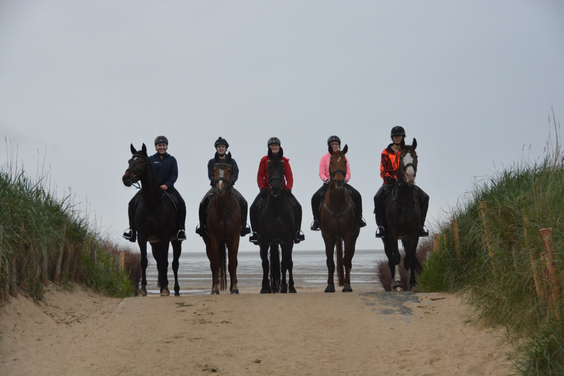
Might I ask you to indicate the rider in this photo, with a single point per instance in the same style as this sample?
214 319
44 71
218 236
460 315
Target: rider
389 166
262 180
221 146
165 168
334 143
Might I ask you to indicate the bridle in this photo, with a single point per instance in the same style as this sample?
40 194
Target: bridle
333 173
136 175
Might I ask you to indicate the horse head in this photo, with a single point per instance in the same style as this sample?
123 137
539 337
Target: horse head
338 167
408 163
137 166
222 173
275 171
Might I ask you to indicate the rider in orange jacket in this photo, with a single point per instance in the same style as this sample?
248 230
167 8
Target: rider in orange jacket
389 166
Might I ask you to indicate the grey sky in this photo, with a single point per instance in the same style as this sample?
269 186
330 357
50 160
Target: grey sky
473 81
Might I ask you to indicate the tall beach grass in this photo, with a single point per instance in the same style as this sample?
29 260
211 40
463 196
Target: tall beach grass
44 239
499 265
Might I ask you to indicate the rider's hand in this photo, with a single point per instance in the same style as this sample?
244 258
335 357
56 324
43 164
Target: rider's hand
164 187
391 180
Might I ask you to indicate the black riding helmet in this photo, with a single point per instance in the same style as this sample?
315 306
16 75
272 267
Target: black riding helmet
398 131
161 140
273 140
334 138
221 141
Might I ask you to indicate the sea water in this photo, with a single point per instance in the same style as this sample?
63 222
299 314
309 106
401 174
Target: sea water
310 270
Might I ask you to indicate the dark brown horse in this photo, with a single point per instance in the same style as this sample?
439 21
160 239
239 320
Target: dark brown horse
338 224
276 229
155 221
404 219
223 229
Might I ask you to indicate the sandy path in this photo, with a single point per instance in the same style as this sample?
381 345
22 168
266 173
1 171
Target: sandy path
309 333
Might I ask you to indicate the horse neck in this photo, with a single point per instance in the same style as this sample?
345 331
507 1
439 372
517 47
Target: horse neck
404 193
226 199
149 184
337 197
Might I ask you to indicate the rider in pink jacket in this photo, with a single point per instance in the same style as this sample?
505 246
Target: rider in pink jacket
334 143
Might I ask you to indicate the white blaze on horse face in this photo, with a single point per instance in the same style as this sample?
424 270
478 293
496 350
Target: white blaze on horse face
221 180
409 171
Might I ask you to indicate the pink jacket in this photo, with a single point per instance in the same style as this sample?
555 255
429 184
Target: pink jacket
324 168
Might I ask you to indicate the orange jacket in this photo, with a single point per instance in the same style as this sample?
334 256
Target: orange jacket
389 164
262 175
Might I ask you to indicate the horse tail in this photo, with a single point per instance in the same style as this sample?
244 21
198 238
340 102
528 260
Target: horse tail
275 268
222 266
340 266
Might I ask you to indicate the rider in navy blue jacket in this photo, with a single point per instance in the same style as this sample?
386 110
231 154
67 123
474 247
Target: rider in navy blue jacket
221 146
165 168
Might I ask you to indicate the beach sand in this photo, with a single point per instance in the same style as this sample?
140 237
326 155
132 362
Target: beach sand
365 332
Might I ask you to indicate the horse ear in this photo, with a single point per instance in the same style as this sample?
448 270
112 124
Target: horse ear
144 148
133 151
345 149
414 144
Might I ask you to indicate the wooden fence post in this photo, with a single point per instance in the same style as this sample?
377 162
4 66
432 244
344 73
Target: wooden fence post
436 243
122 260
483 210
456 238
546 234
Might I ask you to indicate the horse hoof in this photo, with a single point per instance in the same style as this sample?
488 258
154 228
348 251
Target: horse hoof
414 288
265 291
214 292
292 290
398 288
143 293
165 292
235 291
347 288
284 289
330 288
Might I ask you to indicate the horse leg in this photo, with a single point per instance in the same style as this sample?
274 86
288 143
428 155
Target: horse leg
411 262
212 249
265 268
349 254
290 266
284 284
144 263
329 249
177 250
160 253
392 252
233 248
275 268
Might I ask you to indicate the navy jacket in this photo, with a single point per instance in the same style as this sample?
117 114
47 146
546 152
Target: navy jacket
166 169
234 170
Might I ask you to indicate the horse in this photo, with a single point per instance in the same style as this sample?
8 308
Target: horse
403 215
155 221
223 229
338 224
276 229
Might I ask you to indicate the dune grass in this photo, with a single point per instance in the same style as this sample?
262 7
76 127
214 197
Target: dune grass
44 239
500 253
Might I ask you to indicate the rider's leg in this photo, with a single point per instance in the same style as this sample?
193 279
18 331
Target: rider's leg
315 206
202 210
244 208
380 211
357 203
130 233
254 214
423 199
297 208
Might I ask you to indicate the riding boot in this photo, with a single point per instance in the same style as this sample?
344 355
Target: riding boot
423 199
316 200
380 221
254 215
130 234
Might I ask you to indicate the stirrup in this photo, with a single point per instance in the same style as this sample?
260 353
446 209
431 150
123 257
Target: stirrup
423 232
299 237
381 232
129 234
245 230
254 238
315 225
181 235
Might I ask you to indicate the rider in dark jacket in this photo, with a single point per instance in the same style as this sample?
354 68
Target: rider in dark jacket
165 169
221 146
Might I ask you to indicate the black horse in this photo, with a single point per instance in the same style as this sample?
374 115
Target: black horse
276 229
403 214
155 221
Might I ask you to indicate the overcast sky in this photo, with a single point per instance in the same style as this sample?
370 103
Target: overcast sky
473 81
